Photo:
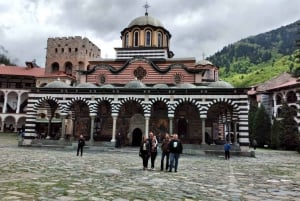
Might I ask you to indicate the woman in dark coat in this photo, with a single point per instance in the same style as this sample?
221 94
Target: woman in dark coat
145 151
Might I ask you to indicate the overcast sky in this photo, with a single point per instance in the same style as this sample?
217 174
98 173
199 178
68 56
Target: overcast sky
197 26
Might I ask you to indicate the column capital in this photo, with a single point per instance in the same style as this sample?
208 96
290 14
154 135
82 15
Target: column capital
93 114
203 116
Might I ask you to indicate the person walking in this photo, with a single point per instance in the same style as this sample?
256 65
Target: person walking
165 152
153 142
254 143
145 152
175 148
227 148
81 143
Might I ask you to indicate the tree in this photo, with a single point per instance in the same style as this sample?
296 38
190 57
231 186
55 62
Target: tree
251 115
5 60
289 137
262 127
275 134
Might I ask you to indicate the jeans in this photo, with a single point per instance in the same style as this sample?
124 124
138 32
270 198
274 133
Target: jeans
173 157
163 155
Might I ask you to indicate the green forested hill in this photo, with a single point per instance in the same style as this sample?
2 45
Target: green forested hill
256 59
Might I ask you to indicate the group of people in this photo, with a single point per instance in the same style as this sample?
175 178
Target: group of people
171 148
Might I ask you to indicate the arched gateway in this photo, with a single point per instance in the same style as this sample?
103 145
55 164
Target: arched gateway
144 89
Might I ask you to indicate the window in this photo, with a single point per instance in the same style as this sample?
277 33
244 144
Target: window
126 42
159 39
136 39
148 38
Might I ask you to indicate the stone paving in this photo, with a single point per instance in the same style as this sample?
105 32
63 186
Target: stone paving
42 174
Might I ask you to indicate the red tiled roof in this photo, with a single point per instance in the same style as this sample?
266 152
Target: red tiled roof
287 84
21 71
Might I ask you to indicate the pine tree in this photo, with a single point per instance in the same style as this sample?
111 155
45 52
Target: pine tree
262 127
275 134
289 137
253 109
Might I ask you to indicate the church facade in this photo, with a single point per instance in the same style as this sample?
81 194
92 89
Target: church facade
145 88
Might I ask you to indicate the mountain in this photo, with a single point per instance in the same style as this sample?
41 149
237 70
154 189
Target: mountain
256 59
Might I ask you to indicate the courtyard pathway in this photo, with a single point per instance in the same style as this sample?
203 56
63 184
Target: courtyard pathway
28 174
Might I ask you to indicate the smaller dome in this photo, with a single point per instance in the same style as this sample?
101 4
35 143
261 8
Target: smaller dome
57 84
220 84
160 86
107 86
186 85
204 62
135 84
145 20
86 85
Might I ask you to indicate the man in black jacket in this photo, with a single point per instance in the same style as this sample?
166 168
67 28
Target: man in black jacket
175 148
81 144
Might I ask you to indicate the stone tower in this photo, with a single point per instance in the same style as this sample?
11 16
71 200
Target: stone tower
69 54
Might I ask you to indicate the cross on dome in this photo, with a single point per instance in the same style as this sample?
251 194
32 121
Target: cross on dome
146 6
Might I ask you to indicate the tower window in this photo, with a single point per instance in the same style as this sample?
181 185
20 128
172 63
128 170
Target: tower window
159 39
148 38
127 40
136 39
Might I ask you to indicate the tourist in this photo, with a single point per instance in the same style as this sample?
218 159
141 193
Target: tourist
175 148
254 143
227 148
81 144
165 152
154 144
145 150
118 140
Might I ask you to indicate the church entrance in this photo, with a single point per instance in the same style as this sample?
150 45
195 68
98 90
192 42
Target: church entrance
136 137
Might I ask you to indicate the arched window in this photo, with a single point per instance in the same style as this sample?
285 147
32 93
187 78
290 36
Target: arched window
291 97
278 99
136 39
55 67
159 40
126 42
148 38
68 68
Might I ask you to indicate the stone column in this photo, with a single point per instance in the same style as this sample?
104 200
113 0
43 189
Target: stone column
203 117
63 126
235 133
114 116
16 127
92 128
2 126
171 125
5 102
147 117
18 103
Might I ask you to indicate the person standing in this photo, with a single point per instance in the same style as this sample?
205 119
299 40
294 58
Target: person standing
153 142
81 143
254 143
145 152
175 148
165 152
227 148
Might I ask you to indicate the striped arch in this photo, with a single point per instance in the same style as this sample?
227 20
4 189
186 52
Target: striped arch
94 107
122 101
235 107
153 101
190 100
70 103
40 101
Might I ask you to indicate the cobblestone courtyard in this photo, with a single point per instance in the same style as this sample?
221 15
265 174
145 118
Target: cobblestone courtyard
49 174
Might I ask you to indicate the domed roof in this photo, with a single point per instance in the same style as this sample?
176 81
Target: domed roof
160 86
204 62
107 86
220 84
86 85
186 85
57 84
135 84
145 20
